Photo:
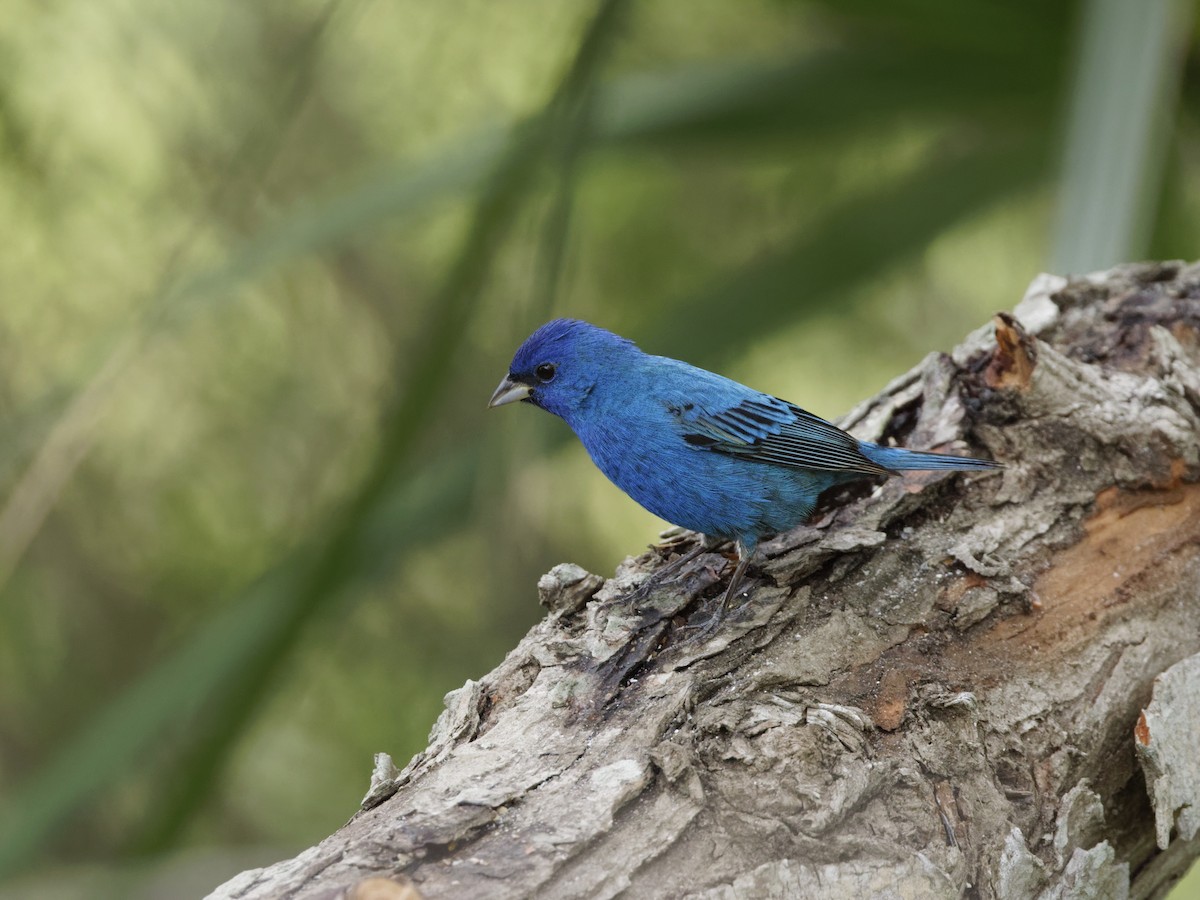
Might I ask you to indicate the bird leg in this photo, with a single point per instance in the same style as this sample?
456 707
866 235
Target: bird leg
711 624
736 580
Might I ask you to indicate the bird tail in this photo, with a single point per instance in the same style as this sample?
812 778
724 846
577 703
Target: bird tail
898 459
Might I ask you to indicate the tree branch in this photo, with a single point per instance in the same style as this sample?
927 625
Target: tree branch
944 688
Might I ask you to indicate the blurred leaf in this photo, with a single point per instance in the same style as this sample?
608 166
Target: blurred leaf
215 663
1177 226
234 675
853 242
105 748
1027 31
1126 83
847 90
334 563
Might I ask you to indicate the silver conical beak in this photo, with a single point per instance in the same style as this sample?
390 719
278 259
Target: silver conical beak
509 391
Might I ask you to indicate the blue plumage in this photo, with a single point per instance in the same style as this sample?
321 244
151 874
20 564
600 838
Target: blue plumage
693 447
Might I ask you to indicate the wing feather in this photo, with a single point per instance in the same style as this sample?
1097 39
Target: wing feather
767 429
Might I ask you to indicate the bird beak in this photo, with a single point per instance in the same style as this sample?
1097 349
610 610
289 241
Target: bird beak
509 391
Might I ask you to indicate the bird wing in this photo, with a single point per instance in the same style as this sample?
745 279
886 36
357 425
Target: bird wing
766 429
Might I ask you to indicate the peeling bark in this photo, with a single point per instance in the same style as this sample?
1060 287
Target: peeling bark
982 685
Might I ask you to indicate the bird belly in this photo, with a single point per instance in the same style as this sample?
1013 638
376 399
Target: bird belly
713 493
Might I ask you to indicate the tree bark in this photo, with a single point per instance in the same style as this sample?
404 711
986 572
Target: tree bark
981 685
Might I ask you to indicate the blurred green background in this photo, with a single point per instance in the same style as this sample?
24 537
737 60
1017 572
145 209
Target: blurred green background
262 265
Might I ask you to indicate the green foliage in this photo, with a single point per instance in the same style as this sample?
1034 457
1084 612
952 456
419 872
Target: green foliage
263 264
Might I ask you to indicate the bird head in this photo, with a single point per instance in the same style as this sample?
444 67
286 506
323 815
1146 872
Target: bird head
559 366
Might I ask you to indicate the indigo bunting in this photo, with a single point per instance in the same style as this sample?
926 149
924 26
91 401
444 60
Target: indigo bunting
693 447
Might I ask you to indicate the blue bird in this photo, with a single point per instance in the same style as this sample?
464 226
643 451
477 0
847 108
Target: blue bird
693 447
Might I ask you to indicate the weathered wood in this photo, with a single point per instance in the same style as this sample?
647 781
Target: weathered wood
937 690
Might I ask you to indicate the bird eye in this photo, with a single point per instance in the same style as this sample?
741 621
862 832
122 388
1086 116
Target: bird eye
545 372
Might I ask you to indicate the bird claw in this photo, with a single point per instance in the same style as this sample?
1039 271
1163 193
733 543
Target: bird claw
673 571
707 627
704 630
667 574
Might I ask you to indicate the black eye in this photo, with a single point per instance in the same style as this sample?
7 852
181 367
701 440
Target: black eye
545 372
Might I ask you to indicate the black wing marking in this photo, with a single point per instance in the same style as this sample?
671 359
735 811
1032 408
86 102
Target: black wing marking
771 430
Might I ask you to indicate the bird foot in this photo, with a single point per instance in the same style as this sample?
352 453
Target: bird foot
664 575
705 628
